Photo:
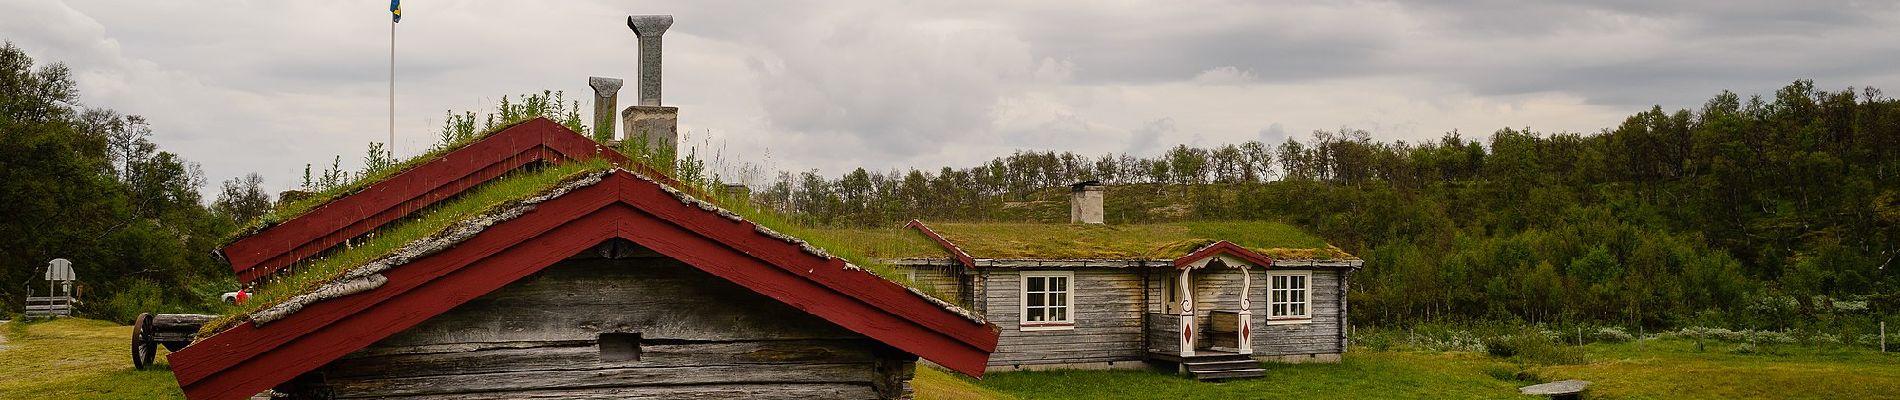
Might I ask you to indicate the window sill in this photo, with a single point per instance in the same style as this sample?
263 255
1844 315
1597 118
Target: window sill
1047 327
1289 321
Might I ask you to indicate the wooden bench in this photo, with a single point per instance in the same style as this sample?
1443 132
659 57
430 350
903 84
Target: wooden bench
49 306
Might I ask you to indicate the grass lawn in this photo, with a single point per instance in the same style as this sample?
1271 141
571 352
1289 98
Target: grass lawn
1360 376
1673 369
1666 369
87 359
77 359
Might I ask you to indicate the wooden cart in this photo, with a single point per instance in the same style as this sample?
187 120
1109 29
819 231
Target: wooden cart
174 331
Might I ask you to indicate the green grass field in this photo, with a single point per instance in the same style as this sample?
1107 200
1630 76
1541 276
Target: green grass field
87 359
1662 369
77 359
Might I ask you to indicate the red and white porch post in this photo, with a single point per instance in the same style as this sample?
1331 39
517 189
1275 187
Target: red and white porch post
1246 311
1187 313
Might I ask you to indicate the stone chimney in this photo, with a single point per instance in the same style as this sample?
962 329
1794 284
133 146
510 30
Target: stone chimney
1085 202
649 122
606 99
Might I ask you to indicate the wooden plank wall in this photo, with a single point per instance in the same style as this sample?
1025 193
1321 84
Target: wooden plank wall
700 337
941 281
1107 309
1321 336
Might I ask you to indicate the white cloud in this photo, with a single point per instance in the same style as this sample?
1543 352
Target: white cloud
269 86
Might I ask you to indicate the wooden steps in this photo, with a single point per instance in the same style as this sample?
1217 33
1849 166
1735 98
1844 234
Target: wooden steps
1222 366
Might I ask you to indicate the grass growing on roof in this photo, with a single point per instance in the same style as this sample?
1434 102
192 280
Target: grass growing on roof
865 248
317 271
1111 241
303 206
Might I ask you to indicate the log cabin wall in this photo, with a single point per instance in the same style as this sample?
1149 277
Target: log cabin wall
621 328
1107 311
1323 336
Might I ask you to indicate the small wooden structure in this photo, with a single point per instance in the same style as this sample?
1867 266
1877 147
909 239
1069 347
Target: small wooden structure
171 331
617 284
59 300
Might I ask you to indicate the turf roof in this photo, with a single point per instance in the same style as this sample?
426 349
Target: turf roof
1000 240
298 208
393 240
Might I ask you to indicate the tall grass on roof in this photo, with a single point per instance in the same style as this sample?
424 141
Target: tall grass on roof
314 272
458 130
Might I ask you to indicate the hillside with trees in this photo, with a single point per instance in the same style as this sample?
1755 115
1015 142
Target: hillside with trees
1756 212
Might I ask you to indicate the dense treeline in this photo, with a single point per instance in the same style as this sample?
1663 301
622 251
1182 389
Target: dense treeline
1766 213
88 184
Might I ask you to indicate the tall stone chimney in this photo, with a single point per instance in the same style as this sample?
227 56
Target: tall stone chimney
606 99
649 122
1085 202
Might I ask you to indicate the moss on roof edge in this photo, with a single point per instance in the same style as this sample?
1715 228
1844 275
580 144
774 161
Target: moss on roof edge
320 199
368 276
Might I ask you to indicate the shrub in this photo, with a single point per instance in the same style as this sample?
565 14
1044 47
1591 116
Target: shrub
1745 348
1767 337
1532 347
140 296
1611 334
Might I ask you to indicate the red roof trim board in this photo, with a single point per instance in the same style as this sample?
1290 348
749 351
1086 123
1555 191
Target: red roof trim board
1227 248
536 140
968 262
248 359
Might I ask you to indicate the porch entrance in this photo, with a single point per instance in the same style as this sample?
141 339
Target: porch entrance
1203 322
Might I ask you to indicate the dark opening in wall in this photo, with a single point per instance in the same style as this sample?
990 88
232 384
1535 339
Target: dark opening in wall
619 346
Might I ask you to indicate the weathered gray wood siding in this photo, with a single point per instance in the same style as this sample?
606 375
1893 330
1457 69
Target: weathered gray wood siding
699 337
1108 328
938 280
1321 336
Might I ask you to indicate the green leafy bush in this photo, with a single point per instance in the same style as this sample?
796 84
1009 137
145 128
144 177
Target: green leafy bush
138 296
1533 348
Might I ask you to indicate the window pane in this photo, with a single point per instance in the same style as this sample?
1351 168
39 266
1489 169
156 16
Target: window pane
1299 296
1279 296
1058 299
1035 314
1299 282
1059 314
1279 309
1036 284
1058 284
1036 299
1299 309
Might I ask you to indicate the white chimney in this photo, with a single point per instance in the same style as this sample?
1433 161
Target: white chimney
1085 202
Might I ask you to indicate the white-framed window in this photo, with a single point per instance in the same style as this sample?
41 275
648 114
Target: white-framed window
1047 299
1288 297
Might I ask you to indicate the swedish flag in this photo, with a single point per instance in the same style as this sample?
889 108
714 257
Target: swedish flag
395 10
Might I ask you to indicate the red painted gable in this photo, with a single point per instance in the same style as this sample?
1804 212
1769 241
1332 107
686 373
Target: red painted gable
537 140
248 359
1224 247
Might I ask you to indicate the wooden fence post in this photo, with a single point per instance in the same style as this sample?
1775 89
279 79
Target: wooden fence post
1883 336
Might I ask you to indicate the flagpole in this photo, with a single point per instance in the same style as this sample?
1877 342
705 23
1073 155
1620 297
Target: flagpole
391 148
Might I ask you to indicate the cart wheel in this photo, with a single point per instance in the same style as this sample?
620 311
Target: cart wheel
143 350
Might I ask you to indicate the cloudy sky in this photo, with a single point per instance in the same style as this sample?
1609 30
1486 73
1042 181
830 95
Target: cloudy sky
268 86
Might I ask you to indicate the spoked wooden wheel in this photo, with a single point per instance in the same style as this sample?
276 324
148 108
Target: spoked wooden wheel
144 350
